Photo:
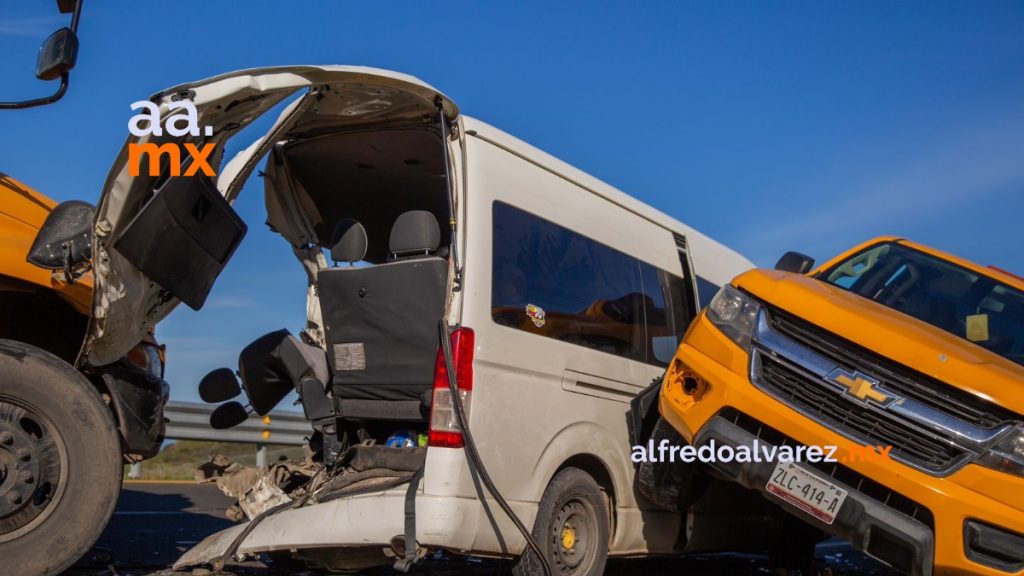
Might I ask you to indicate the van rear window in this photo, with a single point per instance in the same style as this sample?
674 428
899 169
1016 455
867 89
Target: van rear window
553 282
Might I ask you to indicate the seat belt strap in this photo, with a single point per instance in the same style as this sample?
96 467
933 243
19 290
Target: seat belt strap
411 548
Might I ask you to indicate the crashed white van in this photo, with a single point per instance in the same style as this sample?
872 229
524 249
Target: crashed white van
455 274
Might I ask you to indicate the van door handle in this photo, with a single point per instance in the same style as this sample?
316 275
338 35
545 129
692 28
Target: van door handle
591 385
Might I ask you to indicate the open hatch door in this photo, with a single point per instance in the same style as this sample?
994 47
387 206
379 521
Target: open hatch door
163 239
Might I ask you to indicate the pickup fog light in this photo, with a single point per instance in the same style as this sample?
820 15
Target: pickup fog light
1008 454
680 377
734 313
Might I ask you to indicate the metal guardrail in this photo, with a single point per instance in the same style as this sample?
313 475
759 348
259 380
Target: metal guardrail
191 421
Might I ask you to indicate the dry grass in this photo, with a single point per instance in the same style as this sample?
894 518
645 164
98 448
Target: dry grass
179 460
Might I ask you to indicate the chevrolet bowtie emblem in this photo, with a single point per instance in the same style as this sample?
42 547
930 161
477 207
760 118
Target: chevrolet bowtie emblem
860 386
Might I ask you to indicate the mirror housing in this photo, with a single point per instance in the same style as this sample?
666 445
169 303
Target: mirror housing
228 415
795 262
219 385
57 55
64 242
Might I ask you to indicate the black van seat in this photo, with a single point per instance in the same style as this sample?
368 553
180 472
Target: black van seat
381 323
348 242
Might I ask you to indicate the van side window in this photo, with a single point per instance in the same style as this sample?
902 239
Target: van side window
670 311
553 282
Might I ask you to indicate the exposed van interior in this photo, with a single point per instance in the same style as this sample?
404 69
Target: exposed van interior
378 203
372 177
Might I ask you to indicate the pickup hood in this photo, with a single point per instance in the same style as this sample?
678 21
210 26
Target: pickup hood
127 301
892 334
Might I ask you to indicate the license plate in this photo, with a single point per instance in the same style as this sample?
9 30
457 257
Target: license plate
806 491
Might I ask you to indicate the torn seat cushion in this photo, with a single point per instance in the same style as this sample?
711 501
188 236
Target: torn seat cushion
274 364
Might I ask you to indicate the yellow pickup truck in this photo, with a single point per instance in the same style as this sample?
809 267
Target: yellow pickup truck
65 429
902 363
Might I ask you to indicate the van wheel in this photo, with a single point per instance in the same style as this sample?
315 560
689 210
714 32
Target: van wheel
60 462
571 528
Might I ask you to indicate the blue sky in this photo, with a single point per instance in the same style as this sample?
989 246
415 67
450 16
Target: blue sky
767 125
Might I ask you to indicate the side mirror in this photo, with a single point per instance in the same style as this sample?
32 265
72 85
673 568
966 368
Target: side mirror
65 240
795 262
219 385
228 415
57 55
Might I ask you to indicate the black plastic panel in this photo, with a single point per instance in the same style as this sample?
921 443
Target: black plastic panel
183 237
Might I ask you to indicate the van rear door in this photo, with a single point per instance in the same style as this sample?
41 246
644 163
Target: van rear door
164 238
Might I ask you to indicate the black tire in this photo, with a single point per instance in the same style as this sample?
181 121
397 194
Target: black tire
571 528
52 412
672 486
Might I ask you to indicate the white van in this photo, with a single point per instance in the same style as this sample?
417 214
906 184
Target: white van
562 298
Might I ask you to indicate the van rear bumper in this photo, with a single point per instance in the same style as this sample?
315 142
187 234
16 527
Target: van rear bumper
366 520
872 527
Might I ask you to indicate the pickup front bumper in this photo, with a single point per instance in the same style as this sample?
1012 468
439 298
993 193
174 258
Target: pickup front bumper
873 528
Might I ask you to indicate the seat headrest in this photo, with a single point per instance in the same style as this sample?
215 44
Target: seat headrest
414 231
348 241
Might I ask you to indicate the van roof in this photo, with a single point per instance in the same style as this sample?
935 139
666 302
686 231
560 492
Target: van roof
715 261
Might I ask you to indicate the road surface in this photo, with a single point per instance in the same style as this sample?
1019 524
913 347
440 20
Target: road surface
156 521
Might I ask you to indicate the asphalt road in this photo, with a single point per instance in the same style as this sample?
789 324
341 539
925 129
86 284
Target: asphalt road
157 521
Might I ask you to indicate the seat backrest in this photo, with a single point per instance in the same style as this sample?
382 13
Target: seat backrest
381 321
415 234
348 242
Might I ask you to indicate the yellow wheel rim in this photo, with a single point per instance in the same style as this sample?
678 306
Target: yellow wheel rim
568 537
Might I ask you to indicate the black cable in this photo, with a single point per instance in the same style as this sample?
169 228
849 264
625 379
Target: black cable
474 456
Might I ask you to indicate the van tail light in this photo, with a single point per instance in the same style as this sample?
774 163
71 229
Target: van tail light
444 427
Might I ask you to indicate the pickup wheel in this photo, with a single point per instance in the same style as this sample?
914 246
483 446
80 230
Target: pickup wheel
60 462
571 528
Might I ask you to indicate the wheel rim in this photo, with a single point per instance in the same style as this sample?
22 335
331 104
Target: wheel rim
33 468
574 536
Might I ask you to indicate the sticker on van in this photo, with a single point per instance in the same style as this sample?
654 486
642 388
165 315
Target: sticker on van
536 314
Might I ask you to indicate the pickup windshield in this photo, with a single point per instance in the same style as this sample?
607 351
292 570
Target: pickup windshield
973 306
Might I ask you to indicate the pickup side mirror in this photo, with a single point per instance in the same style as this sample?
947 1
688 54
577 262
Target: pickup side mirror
64 242
795 262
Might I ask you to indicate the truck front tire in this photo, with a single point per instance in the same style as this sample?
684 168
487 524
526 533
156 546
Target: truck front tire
60 462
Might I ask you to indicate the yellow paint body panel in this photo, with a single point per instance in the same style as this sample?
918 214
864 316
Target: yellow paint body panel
975 492
22 212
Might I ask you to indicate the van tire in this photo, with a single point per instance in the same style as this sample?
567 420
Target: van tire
573 512
45 396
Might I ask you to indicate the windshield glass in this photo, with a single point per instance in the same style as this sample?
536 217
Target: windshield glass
975 307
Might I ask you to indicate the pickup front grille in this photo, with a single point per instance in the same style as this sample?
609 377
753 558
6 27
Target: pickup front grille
910 444
934 449
894 376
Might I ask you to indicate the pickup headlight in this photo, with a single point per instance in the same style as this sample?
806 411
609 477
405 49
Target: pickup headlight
734 313
1008 454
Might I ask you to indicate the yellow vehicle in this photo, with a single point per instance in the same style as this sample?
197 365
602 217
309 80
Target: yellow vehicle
65 431
903 362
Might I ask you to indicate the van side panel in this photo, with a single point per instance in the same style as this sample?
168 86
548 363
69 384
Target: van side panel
538 401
